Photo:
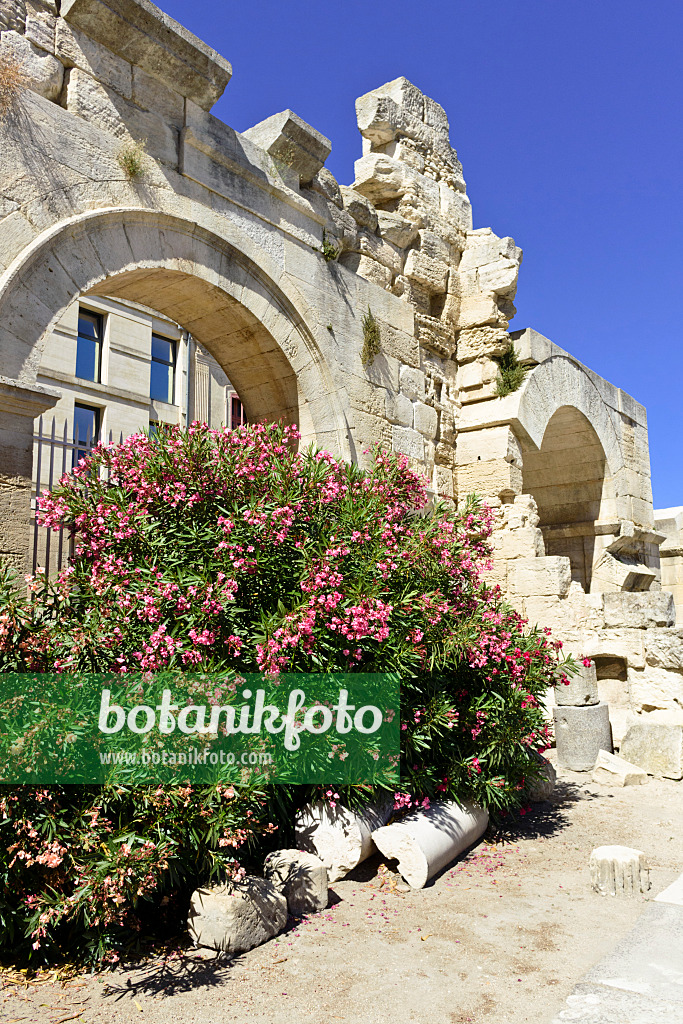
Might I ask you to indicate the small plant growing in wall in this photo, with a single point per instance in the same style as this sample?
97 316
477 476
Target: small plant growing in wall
511 373
13 78
131 158
371 339
330 252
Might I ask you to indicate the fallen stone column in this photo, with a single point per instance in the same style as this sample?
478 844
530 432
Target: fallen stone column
426 841
339 836
618 870
300 877
236 919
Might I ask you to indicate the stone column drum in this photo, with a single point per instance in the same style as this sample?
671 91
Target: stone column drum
582 726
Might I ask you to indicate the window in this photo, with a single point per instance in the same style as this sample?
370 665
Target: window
162 379
237 417
86 430
89 346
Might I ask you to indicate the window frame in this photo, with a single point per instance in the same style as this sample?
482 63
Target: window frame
100 319
80 453
173 365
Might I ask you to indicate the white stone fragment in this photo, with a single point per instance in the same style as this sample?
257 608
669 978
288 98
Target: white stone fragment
426 841
301 878
234 920
618 870
339 836
611 770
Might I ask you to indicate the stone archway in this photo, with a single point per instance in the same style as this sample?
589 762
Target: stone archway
254 325
569 478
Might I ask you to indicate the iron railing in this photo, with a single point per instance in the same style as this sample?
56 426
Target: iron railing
54 455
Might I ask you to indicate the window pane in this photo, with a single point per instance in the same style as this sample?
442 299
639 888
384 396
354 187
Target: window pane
87 359
163 349
161 383
86 429
89 346
89 324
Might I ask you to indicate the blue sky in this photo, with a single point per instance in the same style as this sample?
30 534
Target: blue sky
567 117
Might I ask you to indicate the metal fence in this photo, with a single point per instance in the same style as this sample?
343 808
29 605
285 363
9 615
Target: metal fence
53 455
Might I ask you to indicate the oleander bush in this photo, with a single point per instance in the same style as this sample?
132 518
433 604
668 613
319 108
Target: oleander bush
203 550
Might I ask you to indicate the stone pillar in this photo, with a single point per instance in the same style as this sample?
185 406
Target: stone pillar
19 405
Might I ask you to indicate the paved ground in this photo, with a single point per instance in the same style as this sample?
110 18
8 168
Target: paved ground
512 933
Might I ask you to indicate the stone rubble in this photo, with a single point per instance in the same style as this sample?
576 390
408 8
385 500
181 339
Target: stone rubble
300 877
234 919
619 871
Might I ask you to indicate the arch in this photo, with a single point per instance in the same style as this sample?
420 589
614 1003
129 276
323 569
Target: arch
560 382
223 289
569 478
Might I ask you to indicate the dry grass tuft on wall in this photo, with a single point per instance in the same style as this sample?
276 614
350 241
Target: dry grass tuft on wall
13 79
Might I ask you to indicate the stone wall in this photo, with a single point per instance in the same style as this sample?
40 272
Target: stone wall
250 244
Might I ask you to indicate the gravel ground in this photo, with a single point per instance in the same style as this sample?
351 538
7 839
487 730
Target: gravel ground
500 937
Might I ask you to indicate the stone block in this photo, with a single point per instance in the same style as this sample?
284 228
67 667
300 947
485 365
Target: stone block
381 178
541 577
619 871
138 31
426 420
107 110
301 878
424 842
639 610
360 208
476 338
455 208
150 93
408 442
656 747
611 770
76 49
399 410
656 688
664 648
381 250
412 382
234 919
40 30
580 733
612 573
367 268
527 542
44 73
339 836
289 140
430 272
396 229
484 247
326 185
543 787
582 688
477 311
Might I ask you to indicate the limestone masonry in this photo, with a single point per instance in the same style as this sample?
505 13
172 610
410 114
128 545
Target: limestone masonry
227 235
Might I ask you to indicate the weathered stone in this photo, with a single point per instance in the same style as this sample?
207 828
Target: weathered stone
236 919
541 577
424 842
611 770
340 837
542 788
664 648
640 610
400 410
142 34
580 734
360 208
396 229
13 16
291 141
656 747
42 72
426 420
40 30
325 183
76 49
619 871
108 111
301 878
582 688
